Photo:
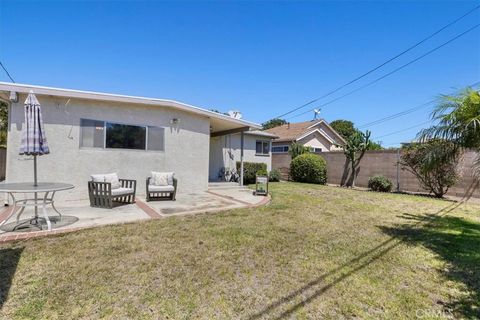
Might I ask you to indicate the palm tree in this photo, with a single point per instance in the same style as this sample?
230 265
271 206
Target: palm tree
458 121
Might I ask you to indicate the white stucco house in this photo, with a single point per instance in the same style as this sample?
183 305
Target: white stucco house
92 132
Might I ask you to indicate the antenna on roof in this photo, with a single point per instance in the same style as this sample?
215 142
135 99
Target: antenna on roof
316 112
235 114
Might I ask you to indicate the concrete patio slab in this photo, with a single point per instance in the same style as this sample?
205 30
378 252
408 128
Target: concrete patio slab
241 195
218 198
193 203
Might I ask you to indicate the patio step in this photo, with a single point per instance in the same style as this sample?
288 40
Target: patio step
224 185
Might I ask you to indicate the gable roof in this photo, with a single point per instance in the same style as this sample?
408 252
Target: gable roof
294 131
320 132
223 122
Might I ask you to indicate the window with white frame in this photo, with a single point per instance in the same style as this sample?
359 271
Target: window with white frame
280 149
110 135
262 147
317 150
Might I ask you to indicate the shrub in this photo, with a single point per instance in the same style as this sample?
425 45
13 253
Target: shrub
262 172
297 149
380 183
434 163
309 168
250 170
274 175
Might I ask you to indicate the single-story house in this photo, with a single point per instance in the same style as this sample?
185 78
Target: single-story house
316 134
93 132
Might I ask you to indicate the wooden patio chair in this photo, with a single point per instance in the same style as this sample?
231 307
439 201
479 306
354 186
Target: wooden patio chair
102 195
161 192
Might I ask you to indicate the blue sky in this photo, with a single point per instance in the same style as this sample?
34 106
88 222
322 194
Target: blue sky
262 58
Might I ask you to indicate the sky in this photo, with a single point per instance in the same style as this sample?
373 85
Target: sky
263 58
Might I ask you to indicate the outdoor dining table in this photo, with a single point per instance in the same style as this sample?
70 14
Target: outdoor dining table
47 188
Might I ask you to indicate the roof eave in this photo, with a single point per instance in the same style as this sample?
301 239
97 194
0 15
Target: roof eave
90 95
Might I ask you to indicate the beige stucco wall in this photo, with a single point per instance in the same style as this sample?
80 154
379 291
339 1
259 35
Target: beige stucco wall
225 152
316 140
186 145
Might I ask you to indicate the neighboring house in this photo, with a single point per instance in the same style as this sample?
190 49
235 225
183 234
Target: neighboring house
316 134
91 132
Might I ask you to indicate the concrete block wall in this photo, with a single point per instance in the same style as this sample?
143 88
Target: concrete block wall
382 162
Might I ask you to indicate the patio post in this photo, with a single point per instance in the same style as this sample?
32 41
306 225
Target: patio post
241 158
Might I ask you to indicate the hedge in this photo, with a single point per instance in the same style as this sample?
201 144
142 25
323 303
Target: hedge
250 170
310 168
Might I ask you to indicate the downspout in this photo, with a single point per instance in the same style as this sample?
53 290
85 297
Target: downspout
241 157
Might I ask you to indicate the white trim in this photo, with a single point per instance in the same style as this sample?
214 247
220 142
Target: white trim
90 95
321 132
330 127
261 134
315 124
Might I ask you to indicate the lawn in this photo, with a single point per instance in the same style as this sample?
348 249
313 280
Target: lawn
313 252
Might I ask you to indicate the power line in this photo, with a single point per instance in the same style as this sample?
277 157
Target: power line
396 115
405 112
402 130
382 64
6 71
391 72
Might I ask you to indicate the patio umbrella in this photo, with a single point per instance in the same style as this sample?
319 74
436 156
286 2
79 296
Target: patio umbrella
34 141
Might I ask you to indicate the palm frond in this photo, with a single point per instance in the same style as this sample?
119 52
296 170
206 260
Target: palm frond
476 167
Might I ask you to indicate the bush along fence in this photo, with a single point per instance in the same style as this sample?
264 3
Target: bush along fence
250 170
383 163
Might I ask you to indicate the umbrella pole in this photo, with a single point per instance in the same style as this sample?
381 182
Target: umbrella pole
35 183
35 171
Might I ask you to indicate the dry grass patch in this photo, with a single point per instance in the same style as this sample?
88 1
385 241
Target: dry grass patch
314 252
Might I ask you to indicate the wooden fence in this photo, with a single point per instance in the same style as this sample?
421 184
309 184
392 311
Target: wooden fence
383 162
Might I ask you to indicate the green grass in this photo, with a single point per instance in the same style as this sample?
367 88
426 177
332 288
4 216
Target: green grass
313 252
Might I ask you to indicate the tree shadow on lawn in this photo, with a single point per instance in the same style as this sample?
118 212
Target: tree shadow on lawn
287 305
9 258
457 242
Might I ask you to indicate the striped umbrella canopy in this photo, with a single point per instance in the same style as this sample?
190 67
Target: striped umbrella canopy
34 141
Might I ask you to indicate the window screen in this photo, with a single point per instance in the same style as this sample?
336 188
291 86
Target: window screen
156 139
258 148
92 133
262 147
279 149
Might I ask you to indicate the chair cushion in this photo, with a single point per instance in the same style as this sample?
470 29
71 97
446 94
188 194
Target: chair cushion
121 191
97 177
162 178
113 179
153 188
110 177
